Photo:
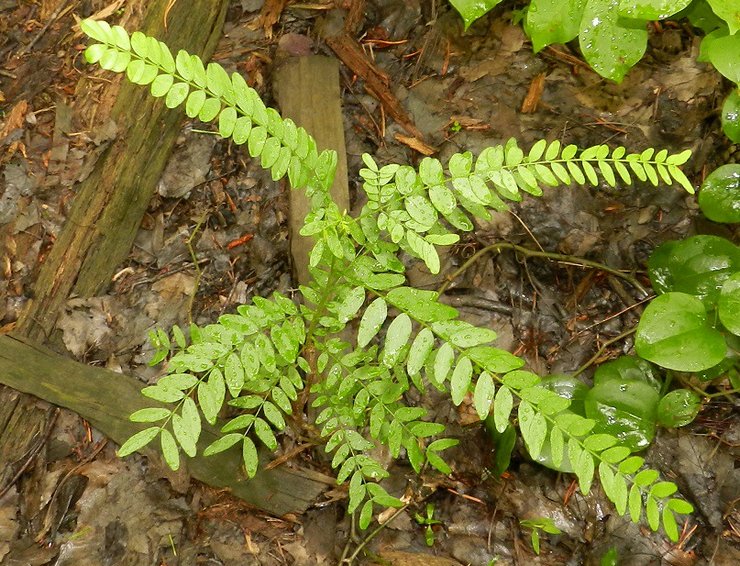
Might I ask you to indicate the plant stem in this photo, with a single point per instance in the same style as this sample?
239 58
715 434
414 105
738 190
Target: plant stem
561 258
603 348
372 535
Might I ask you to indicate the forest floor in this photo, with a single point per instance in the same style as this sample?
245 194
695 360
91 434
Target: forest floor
80 505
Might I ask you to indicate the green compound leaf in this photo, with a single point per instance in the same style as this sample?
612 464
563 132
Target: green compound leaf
460 380
553 21
223 443
399 332
138 441
678 408
149 415
675 332
533 427
420 349
697 266
249 455
731 116
610 45
443 363
651 9
719 196
169 449
423 305
502 408
485 389
371 321
729 304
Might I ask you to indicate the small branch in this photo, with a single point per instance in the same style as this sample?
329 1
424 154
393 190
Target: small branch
372 535
560 258
603 348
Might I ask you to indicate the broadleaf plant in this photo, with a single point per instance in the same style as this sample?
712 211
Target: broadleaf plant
361 338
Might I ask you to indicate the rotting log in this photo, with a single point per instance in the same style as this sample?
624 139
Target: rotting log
105 399
109 204
307 91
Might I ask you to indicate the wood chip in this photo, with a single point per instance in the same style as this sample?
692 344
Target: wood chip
529 105
416 144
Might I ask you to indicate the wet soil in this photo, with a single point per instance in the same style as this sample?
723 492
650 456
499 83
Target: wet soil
216 235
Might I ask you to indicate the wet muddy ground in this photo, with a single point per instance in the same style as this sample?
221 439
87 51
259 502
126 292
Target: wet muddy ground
77 504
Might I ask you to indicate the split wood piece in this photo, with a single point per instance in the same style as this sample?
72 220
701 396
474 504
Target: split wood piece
308 92
111 202
105 399
376 81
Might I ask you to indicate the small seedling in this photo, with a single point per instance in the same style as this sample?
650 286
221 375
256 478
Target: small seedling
539 524
428 523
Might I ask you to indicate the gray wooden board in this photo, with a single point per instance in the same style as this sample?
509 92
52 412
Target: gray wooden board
307 91
105 399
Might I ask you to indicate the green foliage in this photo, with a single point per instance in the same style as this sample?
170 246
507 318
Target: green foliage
428 522
540 524
719 198
612 34
361 337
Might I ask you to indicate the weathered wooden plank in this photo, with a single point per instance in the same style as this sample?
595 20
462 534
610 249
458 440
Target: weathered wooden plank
105 399
110 203
308 92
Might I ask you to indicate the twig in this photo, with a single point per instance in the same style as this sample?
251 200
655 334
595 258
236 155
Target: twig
371 536
58 13
198 272
603 348
560 258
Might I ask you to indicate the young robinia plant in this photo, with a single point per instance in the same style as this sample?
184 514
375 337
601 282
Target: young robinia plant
261 360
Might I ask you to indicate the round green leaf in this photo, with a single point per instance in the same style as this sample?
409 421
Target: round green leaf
624 409
697 266
729 11
674 332
569 388
678 408
724 54
628 368
553 21
651 9
719 197
729 304
610 45
471 10
731 116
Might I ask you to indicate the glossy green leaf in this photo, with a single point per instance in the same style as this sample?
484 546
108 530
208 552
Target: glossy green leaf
625 410
471 10
250 459
138 441
627 368
729 304
610 45
678 408
729 11
265 434
731 116
485 389
697 266
149 415
443 363
553 21
399 332
420 349
724 54
533 427
502 406
461 379
719 196
169 449
635 503
223 443
675 332
371 321
650 9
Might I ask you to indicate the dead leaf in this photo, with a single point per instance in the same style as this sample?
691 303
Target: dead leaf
14 118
